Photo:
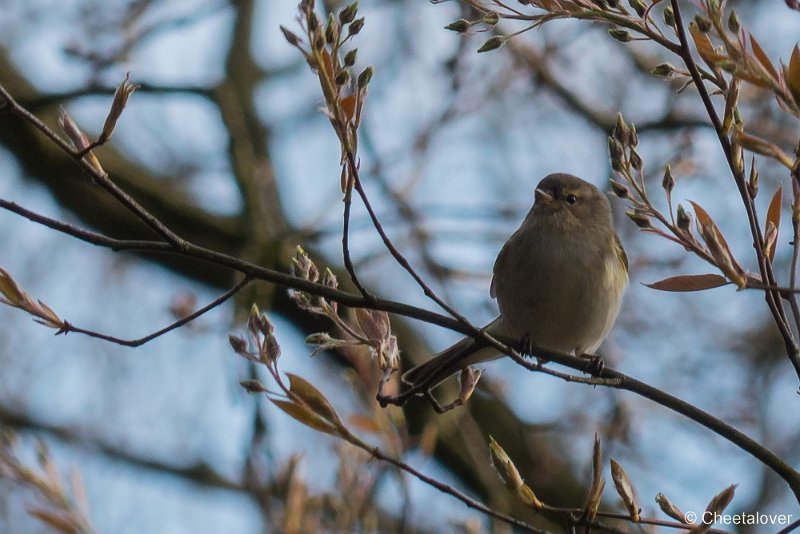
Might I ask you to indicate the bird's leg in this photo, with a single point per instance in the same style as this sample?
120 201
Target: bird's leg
525 345
594 364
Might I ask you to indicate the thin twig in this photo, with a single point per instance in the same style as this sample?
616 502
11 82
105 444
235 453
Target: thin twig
95 238
348 260
177 324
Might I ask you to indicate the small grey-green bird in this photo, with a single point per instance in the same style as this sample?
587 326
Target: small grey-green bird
558 280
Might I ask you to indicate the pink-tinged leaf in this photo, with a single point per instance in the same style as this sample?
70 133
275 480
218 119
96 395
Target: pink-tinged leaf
327 63
774 217
763 58
348 104
689 282
704 46
702 215
706 222
793 74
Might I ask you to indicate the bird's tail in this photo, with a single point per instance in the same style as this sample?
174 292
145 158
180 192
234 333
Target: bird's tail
430 374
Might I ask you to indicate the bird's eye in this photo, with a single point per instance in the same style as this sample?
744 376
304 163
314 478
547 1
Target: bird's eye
572 199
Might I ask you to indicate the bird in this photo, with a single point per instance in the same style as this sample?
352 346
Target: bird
558 280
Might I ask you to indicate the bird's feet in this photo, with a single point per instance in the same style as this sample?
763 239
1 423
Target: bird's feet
594 364
525 345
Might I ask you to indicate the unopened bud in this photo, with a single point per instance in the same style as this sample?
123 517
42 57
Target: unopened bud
684 219
620 132
733 22
638 6
492 44
752 182
125 90
459 26
620 35
342 77
331 30
620 190
635 159
312 22
238 344
350 57
669 17
663 70
291 38
640 219
616 153
79 139
504 466
668 182
491 18
347 15
355 27
364 78
306 6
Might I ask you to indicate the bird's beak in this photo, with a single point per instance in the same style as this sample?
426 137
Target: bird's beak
540 195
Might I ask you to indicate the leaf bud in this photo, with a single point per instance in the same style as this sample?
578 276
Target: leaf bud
664 70
458 26
635 159
347 15
342 77
355 27
331 30
492 44
364 78
620 35
684 219
638 6
669 17
733 22
350 57
619 189
312 22
491 18
639 219
668 182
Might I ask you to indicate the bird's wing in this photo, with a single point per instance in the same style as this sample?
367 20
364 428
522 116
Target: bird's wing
502 257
